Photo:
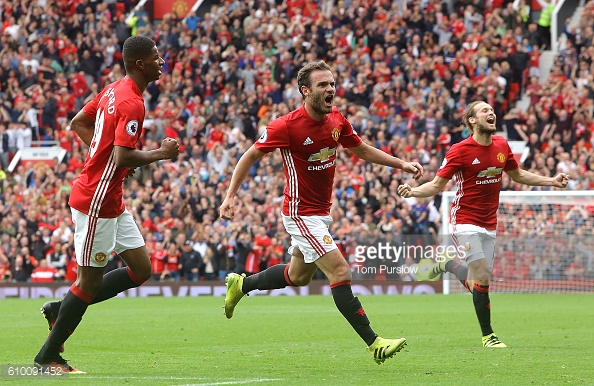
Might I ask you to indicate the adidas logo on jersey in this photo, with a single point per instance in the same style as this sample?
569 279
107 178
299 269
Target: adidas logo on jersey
476 161
307 141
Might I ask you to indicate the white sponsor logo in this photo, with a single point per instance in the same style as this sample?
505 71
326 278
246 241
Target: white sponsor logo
308 141
490 181
263 137
322 167
476 161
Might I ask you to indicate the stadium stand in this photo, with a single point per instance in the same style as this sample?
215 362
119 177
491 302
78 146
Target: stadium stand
404 73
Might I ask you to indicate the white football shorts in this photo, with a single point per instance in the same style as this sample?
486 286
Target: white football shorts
310 234
95 238
474 243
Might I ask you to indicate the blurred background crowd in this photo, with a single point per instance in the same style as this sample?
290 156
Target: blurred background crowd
405 72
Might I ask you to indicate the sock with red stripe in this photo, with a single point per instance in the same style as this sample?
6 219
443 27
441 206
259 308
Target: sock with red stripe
273 277
482 306
115 282
72 309
350 307
459 270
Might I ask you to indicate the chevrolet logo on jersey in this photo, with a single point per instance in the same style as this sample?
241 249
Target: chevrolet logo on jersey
490 172
323 155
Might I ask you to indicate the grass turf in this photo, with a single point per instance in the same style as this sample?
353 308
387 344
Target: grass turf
305 341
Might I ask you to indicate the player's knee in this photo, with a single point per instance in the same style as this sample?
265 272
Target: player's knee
139 264
300 279
139 274
143 274
343 273
89 280
480 275
90 287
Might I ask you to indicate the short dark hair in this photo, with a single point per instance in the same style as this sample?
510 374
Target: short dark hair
305 72
135 48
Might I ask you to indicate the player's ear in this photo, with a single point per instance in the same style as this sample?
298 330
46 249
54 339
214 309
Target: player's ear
304 91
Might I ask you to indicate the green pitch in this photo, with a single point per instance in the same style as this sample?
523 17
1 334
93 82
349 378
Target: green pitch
305 341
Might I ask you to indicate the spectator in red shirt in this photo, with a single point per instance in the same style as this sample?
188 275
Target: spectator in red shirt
276 252
217 135
44 273
456 25
80 88
172 263
158 260
71 270
76 162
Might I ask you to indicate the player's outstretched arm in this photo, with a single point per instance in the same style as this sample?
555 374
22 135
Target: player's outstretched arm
127 157
376 156
84 127
522 176
227 209
428 189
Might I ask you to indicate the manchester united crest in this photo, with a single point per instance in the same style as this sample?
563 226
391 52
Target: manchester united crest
327 239
100 257
336 134
501 157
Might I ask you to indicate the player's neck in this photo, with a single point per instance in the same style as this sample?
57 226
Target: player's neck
313 114
484 139
140 82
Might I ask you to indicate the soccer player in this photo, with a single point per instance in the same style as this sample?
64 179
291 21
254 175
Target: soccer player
308 139
478 163
111 125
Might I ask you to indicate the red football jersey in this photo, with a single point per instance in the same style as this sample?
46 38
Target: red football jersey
308 148
118 112
478 172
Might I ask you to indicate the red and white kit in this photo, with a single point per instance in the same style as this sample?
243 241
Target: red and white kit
308 148
102 224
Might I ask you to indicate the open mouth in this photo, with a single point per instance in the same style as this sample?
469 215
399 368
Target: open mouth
328 100
491 119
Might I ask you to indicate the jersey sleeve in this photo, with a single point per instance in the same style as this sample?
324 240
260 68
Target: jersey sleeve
275 136
129 119
90 109
451 163
511 163
348 136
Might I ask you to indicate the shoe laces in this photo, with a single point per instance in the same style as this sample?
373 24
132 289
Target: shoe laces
492 340
59 360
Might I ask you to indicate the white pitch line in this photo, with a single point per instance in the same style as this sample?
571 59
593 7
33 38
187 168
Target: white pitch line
243 382
232 382
81 376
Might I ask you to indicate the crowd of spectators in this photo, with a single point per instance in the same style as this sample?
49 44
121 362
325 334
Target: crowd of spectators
405 72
